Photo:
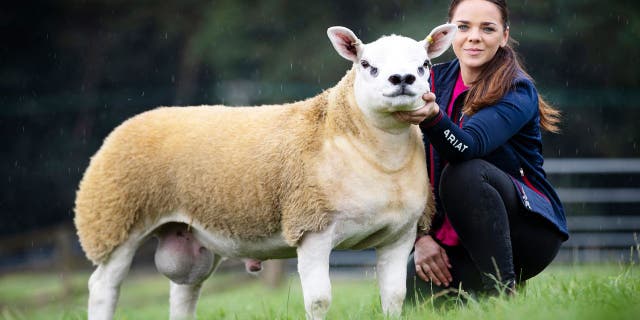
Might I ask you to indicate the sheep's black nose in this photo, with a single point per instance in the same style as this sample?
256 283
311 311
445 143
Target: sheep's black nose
398 79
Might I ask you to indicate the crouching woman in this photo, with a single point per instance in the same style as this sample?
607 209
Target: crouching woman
498 221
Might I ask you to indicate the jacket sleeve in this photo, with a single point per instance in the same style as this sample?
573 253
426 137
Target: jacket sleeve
486 130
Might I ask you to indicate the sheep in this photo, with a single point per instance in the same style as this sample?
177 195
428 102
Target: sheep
335 171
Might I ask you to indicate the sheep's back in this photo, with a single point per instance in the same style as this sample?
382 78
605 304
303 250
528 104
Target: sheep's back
223 166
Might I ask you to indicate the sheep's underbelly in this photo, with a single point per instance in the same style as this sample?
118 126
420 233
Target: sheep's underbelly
357 236
273 247
267 247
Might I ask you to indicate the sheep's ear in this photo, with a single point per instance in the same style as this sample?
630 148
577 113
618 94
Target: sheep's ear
439 40
345 42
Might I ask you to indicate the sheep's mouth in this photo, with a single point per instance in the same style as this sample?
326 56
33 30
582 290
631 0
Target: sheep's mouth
400 92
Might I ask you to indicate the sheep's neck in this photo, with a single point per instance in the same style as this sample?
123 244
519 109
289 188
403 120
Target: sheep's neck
387 150
387 156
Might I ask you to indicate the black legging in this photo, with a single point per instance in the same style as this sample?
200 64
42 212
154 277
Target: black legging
496 232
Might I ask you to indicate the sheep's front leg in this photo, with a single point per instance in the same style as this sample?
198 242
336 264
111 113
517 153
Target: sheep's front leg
392 272
313 267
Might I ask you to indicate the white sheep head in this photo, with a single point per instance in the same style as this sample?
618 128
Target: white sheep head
391 72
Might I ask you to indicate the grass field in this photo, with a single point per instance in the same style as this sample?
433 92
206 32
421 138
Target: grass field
561 292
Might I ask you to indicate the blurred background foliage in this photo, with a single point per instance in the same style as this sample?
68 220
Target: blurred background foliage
73 70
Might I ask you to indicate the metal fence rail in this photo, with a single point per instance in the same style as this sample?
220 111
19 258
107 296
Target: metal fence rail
607 236
602 239
580 165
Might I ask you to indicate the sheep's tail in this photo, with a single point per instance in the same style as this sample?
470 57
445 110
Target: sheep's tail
102 219
117 189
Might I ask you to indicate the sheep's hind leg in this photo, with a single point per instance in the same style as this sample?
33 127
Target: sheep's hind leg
187 263
183 298
104 283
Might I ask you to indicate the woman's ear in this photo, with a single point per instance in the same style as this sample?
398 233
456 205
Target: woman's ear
506 37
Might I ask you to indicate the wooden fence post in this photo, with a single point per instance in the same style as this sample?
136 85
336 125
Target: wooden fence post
63 258
273 272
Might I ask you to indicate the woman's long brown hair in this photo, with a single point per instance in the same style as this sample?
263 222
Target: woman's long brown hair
497 77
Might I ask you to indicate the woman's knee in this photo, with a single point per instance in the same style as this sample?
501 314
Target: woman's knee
474 185
460 176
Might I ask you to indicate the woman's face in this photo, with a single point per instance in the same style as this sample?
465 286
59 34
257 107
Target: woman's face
480 33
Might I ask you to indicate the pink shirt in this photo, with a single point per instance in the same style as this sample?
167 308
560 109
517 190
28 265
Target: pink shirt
446 234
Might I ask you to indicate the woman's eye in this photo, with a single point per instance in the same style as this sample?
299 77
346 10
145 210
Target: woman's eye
364 64
463 27
489 29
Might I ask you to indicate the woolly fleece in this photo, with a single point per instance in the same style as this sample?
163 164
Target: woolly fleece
242 172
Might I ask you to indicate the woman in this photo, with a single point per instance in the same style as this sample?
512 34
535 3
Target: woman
498 221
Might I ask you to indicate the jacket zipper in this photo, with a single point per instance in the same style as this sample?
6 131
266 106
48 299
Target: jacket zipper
530 185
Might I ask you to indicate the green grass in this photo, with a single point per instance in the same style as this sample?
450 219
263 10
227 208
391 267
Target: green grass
561 292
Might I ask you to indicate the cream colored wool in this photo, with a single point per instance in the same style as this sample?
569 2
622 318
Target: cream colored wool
242 172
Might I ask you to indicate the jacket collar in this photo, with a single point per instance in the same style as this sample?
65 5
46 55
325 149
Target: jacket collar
445 76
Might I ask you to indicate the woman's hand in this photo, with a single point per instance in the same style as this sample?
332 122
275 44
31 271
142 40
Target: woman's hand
432 262
428 111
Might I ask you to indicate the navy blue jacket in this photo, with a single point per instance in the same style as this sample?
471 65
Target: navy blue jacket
506 134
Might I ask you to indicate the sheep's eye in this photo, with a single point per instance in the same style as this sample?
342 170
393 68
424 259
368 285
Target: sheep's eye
365 64
427 64
421 71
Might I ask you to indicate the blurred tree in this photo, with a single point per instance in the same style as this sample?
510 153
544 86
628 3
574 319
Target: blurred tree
72 70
